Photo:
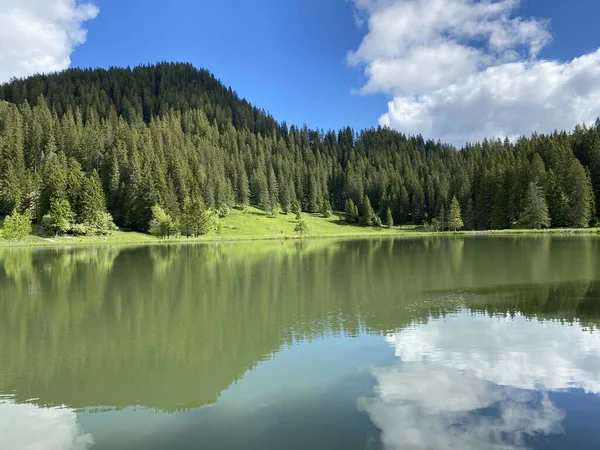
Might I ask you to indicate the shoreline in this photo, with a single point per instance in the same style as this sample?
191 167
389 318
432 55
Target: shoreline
124 238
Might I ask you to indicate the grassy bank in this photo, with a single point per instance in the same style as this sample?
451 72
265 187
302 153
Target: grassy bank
253 224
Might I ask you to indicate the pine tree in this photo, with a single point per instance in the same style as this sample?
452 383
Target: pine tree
196 219
60 217
579 192
351 211
535 209
326 209
301 228
389 220
243 189
455 221
260 190
366 213
442 219
558 202
273 193
92 206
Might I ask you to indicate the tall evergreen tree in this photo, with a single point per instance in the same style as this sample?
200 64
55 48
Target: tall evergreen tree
535 210
389 220
196 219
351 211
454 221
366 214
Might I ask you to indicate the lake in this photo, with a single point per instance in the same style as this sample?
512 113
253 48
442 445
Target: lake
437 343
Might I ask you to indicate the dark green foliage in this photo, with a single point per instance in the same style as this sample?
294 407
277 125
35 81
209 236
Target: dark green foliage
92 212
435 225
155 135
389 219
535 209
367 216
17 226
196 219
223 210
60 217
580 195
351 211
326 209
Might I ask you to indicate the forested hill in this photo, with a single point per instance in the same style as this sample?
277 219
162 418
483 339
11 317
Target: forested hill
140 94
125 140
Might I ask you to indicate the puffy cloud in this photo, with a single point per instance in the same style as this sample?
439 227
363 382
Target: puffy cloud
38 36
28 426
461 70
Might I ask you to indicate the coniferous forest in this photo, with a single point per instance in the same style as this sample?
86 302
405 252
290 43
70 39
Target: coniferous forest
85 149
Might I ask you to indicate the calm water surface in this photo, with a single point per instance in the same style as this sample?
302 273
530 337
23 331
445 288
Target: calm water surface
447 343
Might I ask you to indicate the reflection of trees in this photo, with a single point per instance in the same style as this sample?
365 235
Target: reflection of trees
172 326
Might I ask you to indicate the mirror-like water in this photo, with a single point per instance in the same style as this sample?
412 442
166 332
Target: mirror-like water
459 343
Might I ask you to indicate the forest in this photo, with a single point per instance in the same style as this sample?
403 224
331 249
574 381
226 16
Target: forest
86 150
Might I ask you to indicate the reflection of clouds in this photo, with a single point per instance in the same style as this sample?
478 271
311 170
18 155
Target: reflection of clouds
470 381
26 426
431 408
519 352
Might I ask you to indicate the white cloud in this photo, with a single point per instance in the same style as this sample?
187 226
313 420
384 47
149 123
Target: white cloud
461 70
38 36
26 426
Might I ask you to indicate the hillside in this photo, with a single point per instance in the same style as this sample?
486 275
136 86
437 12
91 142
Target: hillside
124 140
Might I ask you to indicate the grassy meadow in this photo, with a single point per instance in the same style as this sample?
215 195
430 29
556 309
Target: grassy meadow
254 224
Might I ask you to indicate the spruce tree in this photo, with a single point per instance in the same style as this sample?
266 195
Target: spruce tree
366 213
454 221
351 211
579 192
301 228
535 209
389 220
60 217
92 206
196 219
326 209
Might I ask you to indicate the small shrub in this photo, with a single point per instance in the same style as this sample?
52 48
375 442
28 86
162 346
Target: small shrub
223 211
17 226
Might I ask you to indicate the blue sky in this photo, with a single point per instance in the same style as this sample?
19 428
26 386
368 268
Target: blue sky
292 57
285 56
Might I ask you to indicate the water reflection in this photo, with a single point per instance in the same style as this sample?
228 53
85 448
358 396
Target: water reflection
519 352
27 426
485 332
474 381
437 408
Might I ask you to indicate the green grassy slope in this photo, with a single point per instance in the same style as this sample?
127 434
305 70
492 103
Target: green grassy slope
254 224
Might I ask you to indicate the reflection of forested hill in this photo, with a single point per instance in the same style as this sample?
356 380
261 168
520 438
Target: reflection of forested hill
172 327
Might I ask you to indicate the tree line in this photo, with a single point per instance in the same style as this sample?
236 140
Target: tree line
84 150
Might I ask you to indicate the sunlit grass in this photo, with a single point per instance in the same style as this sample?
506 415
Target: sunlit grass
254 224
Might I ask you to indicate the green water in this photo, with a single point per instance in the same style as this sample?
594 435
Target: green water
446 343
